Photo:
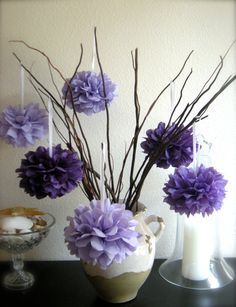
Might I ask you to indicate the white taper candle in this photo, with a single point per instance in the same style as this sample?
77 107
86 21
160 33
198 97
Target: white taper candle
195 162
102 171
22 85
93 54
50 127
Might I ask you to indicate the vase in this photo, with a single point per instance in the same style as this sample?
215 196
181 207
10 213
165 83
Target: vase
197 261
120 282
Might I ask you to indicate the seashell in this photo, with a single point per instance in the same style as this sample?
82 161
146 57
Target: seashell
41 222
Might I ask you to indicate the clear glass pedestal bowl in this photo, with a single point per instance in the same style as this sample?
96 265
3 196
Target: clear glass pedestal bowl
17 245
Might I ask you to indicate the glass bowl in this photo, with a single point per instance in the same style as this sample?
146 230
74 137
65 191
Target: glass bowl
19 243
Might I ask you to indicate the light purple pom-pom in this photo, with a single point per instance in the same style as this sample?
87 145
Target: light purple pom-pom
87 94
22 126
102 233
190 192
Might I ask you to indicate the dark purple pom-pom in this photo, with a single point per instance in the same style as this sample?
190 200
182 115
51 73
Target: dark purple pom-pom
42 175
178 152
189 191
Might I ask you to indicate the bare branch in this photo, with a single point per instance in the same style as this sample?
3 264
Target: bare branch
107 116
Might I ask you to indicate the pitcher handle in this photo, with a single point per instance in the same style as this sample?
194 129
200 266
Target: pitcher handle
154 218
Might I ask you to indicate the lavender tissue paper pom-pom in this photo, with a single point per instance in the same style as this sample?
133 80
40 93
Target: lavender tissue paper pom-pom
101 233
189 191
87 94
178 152
21 126
42 175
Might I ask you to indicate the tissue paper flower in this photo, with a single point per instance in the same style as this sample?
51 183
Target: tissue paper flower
102 233
87 94
42 175
22 126
90 92
178 152
189 191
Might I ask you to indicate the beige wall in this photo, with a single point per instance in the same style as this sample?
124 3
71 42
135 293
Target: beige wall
165 32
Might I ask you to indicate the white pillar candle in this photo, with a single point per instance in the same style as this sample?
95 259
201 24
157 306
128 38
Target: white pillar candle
197 247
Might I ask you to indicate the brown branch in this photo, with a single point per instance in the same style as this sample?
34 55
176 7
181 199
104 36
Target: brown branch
191 105
41 52
90 185
61 136
215 70
146 116
137 115
154 157
107 117
164 89
180 98
63 110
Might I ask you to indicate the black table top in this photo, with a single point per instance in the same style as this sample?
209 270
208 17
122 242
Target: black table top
64 284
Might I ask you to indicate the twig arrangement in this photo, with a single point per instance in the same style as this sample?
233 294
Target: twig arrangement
76 138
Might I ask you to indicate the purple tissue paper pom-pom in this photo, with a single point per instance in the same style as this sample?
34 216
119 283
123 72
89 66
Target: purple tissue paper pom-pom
21 126
87 94
102 233
42 175
179 152
189 191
